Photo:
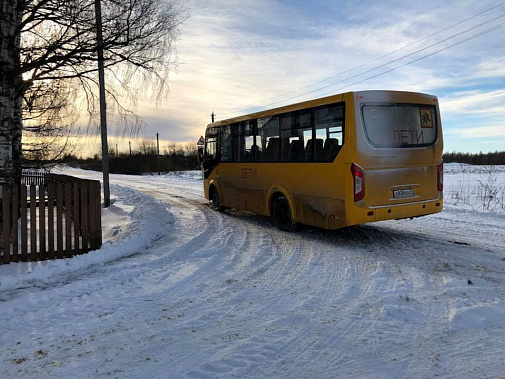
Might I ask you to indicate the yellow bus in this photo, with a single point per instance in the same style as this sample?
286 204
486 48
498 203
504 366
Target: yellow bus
337 161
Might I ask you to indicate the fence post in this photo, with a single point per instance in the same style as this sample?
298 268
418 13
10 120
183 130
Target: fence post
77 218
50 218
84 217
15 218
95 215
59 220
68 219
6 224
42 222
33 223
24 224
98 209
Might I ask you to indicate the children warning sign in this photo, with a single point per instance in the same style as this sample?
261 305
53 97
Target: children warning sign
426 117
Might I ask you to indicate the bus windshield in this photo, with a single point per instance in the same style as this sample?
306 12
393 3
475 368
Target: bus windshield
399 125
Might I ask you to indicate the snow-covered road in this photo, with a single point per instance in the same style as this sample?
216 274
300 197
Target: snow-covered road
182 291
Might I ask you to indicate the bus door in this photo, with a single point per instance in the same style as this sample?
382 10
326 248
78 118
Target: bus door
210 159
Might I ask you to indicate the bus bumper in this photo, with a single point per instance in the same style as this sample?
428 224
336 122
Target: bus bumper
363 214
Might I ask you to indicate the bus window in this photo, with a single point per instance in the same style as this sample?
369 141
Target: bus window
244 141
286 136
296 130
329 131
226 145
210 148
304 119
400 125
268 130
333 143
237 142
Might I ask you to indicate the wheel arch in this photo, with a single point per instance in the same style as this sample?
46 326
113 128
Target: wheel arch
214 186
275 192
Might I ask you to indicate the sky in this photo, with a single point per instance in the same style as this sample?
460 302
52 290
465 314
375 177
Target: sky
238 57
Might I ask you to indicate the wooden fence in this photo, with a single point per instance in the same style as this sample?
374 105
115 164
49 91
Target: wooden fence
57 217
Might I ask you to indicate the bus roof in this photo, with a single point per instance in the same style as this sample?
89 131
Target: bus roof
303 105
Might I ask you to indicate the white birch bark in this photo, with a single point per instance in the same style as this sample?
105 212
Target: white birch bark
10 97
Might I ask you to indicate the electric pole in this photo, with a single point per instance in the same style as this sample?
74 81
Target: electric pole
212 116
158 144
103 107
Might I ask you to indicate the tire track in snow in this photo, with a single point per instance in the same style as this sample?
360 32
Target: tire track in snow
260 302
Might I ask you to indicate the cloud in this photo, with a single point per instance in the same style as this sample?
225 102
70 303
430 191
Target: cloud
238 56
483 132
476 102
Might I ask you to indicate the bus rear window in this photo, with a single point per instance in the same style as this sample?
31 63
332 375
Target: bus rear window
400 125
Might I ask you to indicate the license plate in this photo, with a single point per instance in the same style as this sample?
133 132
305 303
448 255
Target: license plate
404 193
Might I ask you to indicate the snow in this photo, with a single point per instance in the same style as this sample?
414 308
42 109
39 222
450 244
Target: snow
180 291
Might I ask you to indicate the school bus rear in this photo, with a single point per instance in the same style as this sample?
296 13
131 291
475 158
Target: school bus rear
395 169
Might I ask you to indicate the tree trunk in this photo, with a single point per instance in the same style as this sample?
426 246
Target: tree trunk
11 90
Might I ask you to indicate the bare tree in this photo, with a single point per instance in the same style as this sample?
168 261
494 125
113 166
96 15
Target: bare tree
49 119
190 149
147 147
50 41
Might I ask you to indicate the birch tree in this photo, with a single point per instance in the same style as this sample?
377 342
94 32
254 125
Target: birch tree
46 42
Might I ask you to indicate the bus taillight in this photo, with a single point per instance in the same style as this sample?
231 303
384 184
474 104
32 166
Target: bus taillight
359 182
440 176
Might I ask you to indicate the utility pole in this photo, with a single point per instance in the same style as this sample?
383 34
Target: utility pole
158 144
212 116
130 143
103 107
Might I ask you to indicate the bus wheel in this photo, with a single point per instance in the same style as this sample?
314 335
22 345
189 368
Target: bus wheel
281 213
215 202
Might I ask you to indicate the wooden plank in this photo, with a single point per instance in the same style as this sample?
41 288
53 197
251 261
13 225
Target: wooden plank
77 222
33 223
59 220
6 215
85 217
92 216
15 218
68 219
50 219
42 222
24 224
98 205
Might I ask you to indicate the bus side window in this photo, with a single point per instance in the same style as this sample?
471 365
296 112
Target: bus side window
210 148
296 131
226 145
244 142
268 130
238 143
287 121
329 128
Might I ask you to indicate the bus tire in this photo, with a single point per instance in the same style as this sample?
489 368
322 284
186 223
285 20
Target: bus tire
281 214
215 201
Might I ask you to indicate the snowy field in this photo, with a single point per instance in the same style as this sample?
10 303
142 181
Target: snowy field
180 291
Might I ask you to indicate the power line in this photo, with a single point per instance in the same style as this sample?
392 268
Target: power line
492 29
387 63
247 110
379 58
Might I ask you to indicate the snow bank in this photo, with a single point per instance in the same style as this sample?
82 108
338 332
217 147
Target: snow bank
128 227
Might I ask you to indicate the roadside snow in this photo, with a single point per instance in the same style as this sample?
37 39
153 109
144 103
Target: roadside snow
128 226
180 291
